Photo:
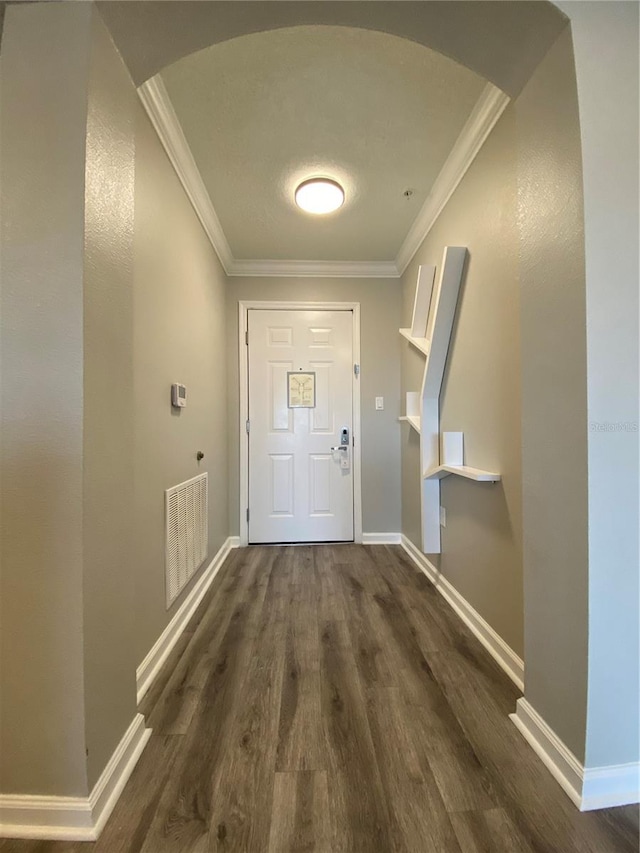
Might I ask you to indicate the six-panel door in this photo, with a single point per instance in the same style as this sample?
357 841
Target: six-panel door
300 400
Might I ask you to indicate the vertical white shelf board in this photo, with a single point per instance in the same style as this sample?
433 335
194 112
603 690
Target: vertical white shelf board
441 316
416 336
452 448
413 404
412 410
442 309
422 301
430 491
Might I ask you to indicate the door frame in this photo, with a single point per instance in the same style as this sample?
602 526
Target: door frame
243 317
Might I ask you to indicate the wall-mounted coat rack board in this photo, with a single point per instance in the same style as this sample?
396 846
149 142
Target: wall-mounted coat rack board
434 310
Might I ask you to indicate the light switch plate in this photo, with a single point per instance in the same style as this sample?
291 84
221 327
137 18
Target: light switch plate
379 404
443 517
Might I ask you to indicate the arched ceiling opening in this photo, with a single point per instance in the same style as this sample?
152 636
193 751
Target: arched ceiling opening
390 98
500 41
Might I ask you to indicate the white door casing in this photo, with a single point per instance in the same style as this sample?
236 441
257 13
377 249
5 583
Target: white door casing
296 487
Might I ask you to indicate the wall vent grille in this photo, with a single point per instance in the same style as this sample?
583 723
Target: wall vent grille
186 532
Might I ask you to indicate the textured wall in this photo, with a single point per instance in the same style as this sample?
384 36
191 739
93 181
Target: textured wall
482 542
85 462
605 38
554 395
108 522
179 336
43 74
380 317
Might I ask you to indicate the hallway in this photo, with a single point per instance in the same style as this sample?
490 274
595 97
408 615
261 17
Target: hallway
326 698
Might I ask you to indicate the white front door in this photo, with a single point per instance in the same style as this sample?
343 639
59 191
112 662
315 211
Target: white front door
300 407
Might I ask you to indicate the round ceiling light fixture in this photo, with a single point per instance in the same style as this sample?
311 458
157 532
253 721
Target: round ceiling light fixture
319 195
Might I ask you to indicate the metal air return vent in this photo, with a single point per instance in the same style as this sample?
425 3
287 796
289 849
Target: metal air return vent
186 532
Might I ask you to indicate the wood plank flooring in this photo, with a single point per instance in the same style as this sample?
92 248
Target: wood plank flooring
326 698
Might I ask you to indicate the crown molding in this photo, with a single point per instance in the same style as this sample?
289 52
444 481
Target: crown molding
155 99
315 269
483 118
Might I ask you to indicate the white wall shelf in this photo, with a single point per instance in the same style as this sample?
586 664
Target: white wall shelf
419 343
441 454
434 310
416 337
476 474
413 421
412 409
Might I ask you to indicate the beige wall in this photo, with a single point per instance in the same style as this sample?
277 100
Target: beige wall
108 522
581 549
179 336
88 355
482 542
579 478
380 316
519 211
43 74
605 38
554 395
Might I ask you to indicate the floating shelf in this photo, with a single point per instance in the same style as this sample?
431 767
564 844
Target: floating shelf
412 409
419 343
413 421
430 331
476 474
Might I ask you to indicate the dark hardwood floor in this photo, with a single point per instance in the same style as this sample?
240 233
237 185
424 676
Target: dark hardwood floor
327 699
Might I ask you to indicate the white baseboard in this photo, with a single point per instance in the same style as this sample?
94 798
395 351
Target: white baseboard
161 650
116 774
381 539
504 656
51 818
558 759
75 818
589 788
606 787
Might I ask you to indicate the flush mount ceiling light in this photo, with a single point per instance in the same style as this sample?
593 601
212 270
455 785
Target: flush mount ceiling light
319 195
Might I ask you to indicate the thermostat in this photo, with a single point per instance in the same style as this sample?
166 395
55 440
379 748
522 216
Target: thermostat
178 395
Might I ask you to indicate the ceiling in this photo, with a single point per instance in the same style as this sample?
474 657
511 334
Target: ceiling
248 96
263 112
